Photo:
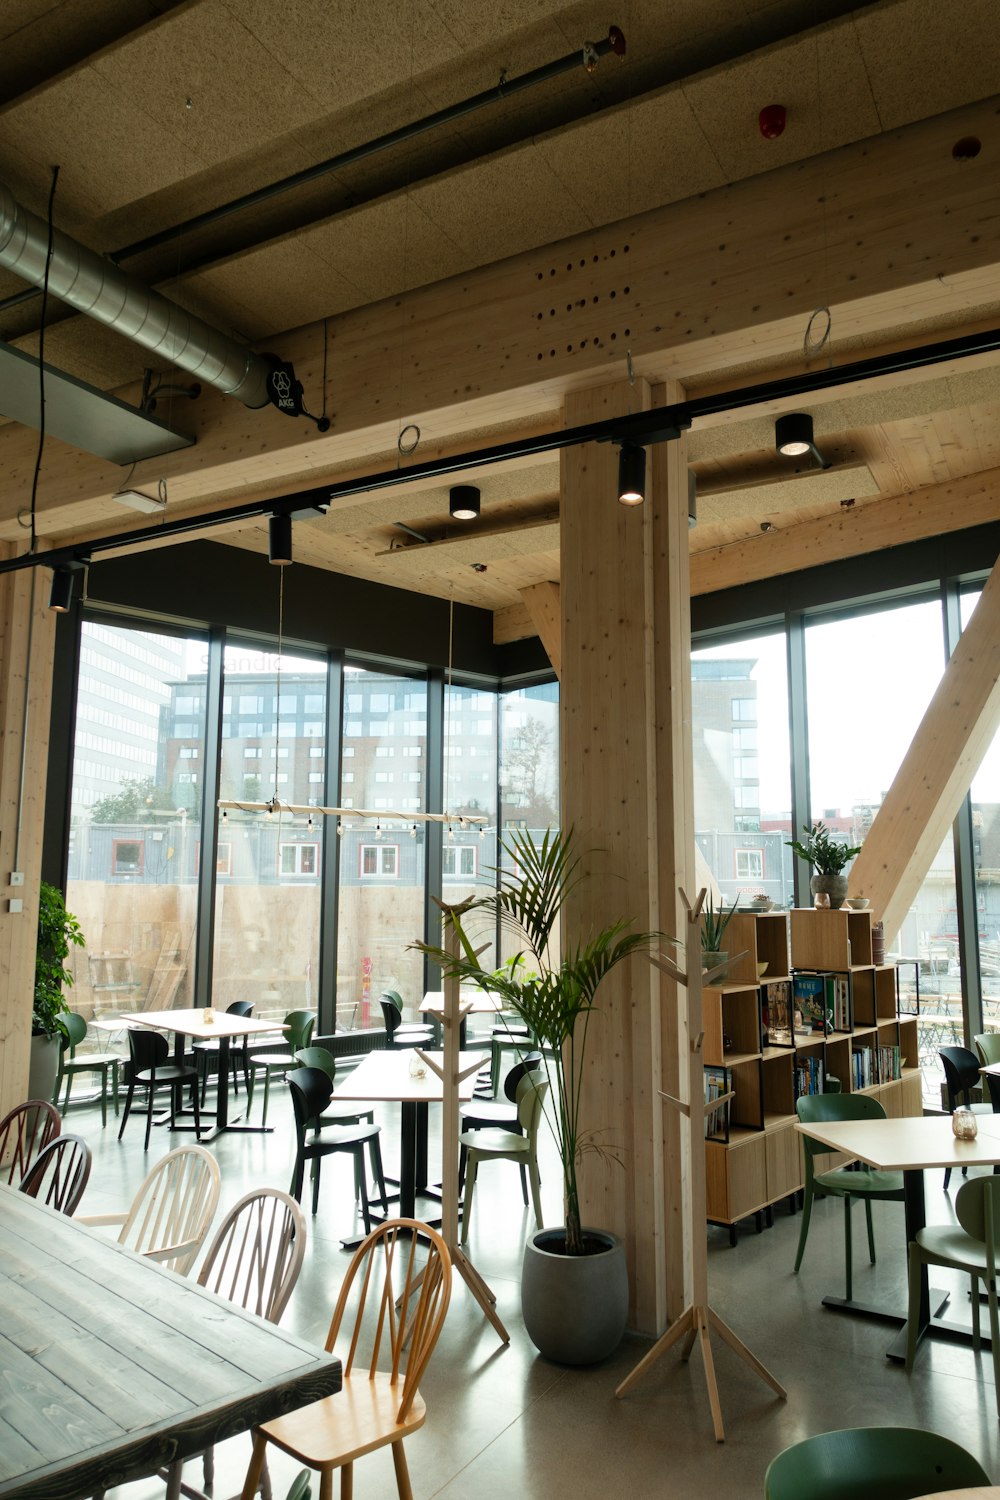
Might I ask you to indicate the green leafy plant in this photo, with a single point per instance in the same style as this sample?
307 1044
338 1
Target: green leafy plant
58 930
715 920
552 997
818 849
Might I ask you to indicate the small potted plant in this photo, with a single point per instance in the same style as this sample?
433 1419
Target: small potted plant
714 921
574 1284
58 930
827 857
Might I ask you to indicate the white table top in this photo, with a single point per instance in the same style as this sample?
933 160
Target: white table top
470 998
386 1075
193 1023
980 1492
911 1143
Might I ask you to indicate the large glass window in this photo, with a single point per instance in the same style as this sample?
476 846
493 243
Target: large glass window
869 681
742 784
985 794
267 908
382 863
133 852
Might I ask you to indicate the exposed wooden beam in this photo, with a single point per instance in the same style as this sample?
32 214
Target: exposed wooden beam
868 526
919 808
541 601
505 343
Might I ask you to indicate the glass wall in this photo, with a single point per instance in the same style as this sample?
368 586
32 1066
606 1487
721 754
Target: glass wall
269 867
742 781
136 797
384 768
985 798
529 768
869 681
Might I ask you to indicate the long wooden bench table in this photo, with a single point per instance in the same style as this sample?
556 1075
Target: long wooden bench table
111 1366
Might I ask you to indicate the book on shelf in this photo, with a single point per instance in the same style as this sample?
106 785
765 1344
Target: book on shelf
716 1120
776 1014
863 1067
810 1076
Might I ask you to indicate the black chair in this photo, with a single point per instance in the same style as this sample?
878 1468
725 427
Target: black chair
961 1076
311 1091
398 1034
150 1069
499 1114
205 1051
59 1173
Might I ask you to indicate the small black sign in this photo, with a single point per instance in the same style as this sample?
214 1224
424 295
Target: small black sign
284 391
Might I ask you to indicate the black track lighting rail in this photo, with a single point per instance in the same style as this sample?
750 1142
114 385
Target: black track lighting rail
505 87
658 425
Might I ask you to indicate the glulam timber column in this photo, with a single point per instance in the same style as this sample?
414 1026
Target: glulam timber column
27 640
625 734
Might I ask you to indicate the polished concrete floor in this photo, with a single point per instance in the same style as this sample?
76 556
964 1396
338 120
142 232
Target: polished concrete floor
504 1421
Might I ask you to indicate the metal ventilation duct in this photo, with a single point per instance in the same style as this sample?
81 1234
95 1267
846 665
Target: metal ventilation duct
92 285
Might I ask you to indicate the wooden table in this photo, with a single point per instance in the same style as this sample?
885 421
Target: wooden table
386 1076
909 1146
472 1001
112 1366
222 1028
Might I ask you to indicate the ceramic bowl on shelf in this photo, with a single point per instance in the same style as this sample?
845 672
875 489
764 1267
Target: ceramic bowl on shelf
761 903
761 970
856 903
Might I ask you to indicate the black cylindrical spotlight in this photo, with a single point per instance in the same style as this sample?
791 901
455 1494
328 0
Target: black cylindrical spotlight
61 590
463 502
279 540
631 474
793 434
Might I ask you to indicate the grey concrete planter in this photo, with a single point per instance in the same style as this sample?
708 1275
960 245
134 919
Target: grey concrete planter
575 1306
43 1067
834 885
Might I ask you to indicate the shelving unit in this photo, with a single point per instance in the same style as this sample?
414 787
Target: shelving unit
758 1162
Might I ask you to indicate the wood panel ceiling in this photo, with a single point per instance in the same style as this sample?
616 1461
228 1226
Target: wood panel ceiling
156 112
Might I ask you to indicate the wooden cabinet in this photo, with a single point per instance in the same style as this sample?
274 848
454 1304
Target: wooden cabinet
754 1158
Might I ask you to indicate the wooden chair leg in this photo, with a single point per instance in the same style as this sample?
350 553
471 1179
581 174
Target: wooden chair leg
128 1108
174 1475
256 1464
149 1114
470 1189
402 1472
359 1167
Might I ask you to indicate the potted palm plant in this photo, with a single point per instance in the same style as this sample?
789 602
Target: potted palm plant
58 930
827 858
552 992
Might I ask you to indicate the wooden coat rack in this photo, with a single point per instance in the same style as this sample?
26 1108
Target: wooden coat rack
699 1318
451 1073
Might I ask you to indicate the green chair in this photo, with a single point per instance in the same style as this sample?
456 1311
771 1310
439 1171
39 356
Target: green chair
91 1062
987 1044
871 1463
336 1114
298 1026
847 1182
970 1246
501 1145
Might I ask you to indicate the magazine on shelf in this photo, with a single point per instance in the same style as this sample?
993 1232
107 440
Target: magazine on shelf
809 994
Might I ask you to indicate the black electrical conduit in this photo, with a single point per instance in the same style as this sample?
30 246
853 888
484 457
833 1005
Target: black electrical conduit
658 425
586 56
